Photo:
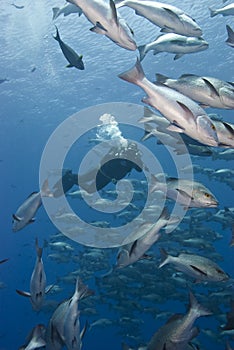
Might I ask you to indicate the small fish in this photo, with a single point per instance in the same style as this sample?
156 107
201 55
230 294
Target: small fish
2 80
184 114
196 266
71 56
25 213
37 283
3 261
17 6
225 11
208 91
190 194
66 10
230 39
106 21
36 338
168 17
174 43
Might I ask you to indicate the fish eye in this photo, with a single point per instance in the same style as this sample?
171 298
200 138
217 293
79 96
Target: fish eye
207 195
213 127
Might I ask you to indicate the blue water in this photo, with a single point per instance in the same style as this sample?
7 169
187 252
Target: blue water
39 94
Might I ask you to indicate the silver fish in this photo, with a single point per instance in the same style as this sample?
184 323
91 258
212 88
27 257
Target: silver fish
183 113
191 194
36 338
196 266
72 334
208 91
25 213
230 39
136 250
178 330
66 10
225 11
37 282
174 43
107 21
168 17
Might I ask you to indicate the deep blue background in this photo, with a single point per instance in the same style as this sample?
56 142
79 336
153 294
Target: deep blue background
33 104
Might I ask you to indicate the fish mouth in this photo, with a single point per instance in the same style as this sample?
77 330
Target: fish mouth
213 204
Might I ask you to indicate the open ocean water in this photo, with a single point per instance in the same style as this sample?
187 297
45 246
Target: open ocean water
129 304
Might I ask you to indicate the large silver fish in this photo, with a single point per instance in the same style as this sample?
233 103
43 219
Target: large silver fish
36 339
178 330
64 326
26 212
190 194
106 21
174 43
227 10
168 17
136 250
196 266
185 115
208 91
37 282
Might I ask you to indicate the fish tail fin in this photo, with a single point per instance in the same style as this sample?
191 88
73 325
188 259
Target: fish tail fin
82 289
142 51
212 12
164 257
148 132
38 249
160 78
45 191
230 32
196 307
55 12
135 75
57 37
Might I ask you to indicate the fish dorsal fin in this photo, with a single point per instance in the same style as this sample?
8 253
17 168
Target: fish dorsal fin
228 127
161 78
198 270
114 12
188 75
211 86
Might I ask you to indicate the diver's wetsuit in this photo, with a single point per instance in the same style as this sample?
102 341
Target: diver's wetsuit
114 166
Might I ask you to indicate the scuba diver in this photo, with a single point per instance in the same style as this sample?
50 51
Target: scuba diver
115 165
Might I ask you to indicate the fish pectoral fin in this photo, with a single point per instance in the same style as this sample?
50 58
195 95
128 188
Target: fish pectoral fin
23 293
133 247
184 194
114 12
178 55
203 105
211 87
17 218
175 127
82 333
99 29
198 270
69 65
186 109
166 29
32 220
